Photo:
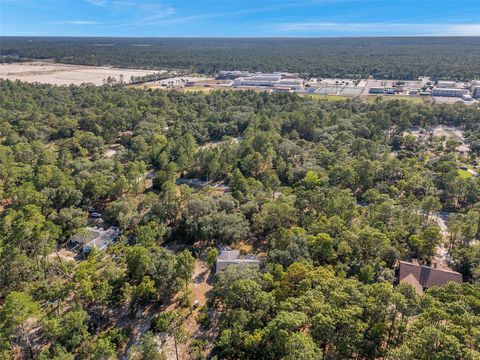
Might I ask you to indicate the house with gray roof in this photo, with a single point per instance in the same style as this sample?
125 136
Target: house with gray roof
94 237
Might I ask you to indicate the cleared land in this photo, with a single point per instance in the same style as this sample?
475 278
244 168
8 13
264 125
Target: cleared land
63 74
326 97
464 174
413 99
177 82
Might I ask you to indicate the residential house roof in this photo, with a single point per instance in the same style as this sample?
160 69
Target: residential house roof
95 237
423 277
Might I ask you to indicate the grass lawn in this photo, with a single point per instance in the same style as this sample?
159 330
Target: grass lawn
464 174
199 89
412 99
147 86
328 97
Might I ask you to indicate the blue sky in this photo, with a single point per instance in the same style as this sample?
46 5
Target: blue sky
230 18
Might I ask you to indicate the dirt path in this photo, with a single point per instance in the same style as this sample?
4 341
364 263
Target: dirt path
139 325
63 254
4 203
442 256
199 287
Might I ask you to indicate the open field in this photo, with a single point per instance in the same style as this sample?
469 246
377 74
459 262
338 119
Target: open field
327 97
169 83
464 174
63 74
451 100
200 89
413 99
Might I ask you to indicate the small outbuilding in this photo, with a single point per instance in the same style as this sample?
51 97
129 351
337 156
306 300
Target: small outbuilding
232 257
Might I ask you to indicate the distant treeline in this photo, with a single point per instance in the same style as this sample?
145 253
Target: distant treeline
399 57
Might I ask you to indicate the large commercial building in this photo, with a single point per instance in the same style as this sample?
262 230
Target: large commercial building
376 90
280 80
446 84
282 89
292 83
258 80
230 75
451 92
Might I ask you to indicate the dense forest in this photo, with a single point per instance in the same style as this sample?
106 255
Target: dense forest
329 193
384 58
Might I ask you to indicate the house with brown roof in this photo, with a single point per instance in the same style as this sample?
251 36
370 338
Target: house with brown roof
422 277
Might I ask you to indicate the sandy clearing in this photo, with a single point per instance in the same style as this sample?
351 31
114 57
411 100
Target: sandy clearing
4 203
65 74
63 254
198 289
172 82
442 257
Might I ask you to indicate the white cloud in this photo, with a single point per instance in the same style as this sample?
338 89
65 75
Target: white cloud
97 2
211 15
464 29
384 28
164 14
160 14
125 4
76 22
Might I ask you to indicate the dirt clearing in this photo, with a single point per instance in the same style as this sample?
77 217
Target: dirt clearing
64 74
198 289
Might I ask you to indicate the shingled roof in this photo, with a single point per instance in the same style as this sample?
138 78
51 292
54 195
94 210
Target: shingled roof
423 277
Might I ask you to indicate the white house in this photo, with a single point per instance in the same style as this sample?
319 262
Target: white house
93 237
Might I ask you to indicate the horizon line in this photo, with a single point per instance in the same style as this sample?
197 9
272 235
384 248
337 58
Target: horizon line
245 37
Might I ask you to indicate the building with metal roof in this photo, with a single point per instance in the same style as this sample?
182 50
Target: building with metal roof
232 257
453 92
94 237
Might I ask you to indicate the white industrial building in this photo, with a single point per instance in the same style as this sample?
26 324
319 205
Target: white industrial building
475 89
282 89
446 84
376 90
291 83
280 80
258 80
230 75
451 92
